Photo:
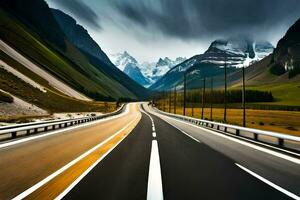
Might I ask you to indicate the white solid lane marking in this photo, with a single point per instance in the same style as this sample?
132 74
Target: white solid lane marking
154 189
274 153
154 134
67 166
62 130
269 183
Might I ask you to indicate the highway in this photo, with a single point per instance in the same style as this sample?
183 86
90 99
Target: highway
141 154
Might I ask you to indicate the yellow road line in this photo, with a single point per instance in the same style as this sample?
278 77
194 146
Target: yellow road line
56 186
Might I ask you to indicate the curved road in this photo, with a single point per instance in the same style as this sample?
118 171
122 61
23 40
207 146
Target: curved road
141 154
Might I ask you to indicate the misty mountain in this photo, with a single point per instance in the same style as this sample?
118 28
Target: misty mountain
238 52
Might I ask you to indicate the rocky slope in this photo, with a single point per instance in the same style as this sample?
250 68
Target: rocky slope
286 56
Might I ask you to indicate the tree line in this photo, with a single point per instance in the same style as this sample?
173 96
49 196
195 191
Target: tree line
232 96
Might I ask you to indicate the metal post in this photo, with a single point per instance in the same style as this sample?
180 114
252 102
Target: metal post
170 100
225 91
244 98
203 93
184 93
211 97
175 99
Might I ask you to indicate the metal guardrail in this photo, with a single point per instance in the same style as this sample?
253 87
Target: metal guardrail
37 127
281 138
35 123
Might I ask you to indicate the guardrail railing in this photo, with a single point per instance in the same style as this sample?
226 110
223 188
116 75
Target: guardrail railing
37 127
238 130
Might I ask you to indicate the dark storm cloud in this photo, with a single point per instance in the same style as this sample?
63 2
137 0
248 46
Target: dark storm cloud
204 18
81 10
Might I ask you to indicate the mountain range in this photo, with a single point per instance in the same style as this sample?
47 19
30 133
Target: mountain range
145 73
236 52
51 61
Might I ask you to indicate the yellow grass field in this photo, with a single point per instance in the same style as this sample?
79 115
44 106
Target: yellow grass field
287 122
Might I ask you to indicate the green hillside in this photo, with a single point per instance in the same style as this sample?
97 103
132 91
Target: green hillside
64 61
259 76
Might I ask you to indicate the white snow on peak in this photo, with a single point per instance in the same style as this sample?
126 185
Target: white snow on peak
237 52
152 71
122 59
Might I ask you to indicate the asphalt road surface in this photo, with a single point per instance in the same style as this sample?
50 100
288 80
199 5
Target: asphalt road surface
145 155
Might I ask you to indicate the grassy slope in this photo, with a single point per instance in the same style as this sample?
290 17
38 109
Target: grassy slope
51 100
258 77
79 74
285 94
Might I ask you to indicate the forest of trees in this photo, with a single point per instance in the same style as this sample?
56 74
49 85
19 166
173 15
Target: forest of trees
233 96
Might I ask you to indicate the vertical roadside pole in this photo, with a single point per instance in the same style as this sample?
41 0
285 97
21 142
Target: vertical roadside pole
225 90
162 101
105 107
165 100
184 93
175 99
211 96
244 98
170 95
193 101
203 93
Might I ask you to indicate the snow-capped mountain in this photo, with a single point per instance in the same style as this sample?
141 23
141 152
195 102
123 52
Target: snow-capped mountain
237 52
129 66
146 73
153 71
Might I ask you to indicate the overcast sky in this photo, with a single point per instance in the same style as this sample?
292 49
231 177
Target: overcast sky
149 29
